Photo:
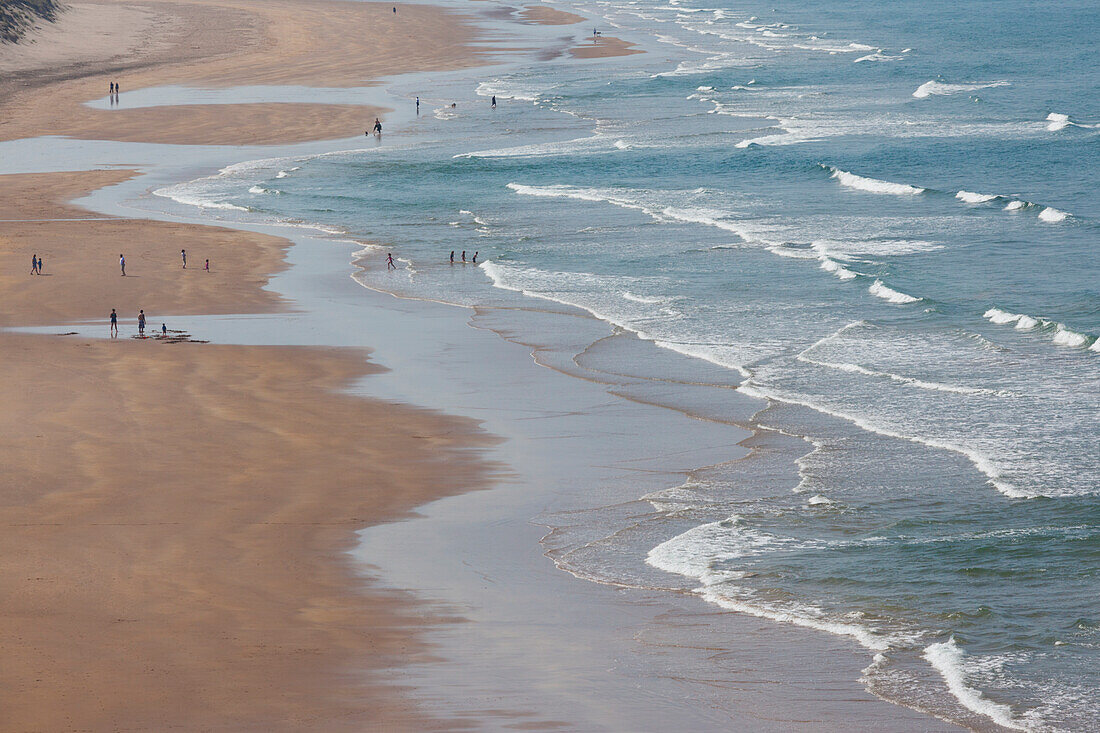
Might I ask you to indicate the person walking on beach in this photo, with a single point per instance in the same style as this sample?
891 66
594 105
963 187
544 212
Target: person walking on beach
183 256
389 262
34 264
141 323
122 264
452 256
207 265
114 324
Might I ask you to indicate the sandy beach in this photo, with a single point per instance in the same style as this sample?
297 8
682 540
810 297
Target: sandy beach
204 534
178 514
225 43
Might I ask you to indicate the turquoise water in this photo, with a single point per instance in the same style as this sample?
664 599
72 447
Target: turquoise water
881 220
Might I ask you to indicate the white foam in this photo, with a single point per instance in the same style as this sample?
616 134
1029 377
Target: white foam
974 198
1065 337
1057 121
642 298
1000 317
1016 205
873 185
879 289
1052 215
937 88
982 463
819 500
499 88
877 56
949 660
1062 335
837 269
180 194
696 553
1095 345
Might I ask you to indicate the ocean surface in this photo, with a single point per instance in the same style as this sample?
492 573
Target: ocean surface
869 231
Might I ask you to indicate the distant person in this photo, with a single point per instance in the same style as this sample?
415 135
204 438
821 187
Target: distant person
183 256
452 256
114 324
494 101
34 264
378 127
111 93
418 106
164 330
122 264
389 262
207 266
141 323
395 10
454 104
39 265
475 258
463 256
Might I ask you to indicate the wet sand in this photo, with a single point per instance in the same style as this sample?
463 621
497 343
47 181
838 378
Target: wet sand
604 47
545 15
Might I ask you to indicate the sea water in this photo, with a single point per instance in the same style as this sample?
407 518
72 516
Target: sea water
879 222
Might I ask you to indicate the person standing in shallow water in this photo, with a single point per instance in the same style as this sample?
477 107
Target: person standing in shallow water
474 260
389 262
114 324
452 256
463 256
141 323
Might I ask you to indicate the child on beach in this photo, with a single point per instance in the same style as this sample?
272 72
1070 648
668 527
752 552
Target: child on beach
39 265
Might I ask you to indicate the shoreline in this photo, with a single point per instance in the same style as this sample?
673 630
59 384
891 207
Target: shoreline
429 508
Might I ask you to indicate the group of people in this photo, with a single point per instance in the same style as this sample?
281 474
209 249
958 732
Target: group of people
36 264
113 93
140 321
474 260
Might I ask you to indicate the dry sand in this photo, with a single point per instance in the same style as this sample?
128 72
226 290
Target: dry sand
219 43
175 515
